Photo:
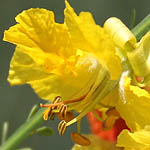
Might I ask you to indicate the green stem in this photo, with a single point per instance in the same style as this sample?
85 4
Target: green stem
143 27
133 18
26 129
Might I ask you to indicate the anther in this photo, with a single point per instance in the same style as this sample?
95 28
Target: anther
69 116
47 113
56 100
112 111
109 122
80 139
62 127
50 107
51 117
62 110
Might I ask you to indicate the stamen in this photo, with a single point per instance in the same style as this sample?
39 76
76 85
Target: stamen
62 110
46 113
113 115
62 127
92 95
75 100
80 139
78 126
69 116
85 110
109 122
56 100
50 105
64 102
112 111
59 105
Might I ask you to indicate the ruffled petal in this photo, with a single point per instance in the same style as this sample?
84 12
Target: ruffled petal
88 36
23 69
36 28
139 140
46 42
136 109
68 86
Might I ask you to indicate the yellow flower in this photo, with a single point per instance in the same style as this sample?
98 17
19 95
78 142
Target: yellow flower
70 60
139 140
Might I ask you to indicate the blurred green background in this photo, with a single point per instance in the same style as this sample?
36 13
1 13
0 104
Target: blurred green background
16 102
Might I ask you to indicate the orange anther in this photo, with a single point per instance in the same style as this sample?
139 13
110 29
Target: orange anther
69 116
80 139
112 111
62 127
109 122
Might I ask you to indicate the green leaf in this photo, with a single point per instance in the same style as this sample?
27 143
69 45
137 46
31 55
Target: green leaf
32 112
46 131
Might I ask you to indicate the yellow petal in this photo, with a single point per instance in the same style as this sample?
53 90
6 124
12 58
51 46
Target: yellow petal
36 28
23 69
136 109
46 42
88 36
69 86
139 140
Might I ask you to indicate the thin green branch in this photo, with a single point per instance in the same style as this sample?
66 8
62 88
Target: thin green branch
24 131
133 18
143 27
